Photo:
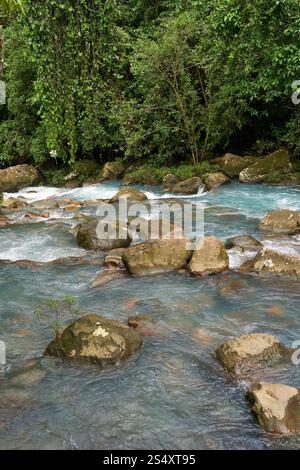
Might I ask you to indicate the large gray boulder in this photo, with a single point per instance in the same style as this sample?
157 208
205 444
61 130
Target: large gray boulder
243 243
232 165
98 340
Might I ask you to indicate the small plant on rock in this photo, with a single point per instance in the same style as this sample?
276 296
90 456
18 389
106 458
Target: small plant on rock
51 312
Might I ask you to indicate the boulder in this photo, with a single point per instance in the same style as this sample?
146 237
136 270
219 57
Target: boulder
214 180
243 243
13 203
111 171
132 195
240 354
89 235
282 220
275 162
156 256
4 221
98 340
190 186
232 165
276 407
17 177
269 261
169 181
45 204
209 258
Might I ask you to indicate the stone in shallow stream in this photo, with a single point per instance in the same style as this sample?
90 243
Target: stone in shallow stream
276 406
239 355
97 340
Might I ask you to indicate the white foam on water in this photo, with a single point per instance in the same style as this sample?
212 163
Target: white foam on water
237 257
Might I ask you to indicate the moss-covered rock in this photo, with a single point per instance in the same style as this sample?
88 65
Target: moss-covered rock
232 165
209 258
276 407
169 181
98 340
17 177
275 162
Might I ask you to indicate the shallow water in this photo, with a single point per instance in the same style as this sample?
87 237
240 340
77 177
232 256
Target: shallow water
173 394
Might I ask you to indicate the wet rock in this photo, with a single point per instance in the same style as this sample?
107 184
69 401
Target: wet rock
72 208
244 243
4 221
98 340
33 215
14 178
156 256
189 186
275 162
232 165
91 235
111 171
233 287
45 204
276 407
13 203
214 180
240 354
132 195
107 276
282 220
210 258
269 261
169 181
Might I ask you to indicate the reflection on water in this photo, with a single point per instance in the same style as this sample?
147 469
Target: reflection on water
173 394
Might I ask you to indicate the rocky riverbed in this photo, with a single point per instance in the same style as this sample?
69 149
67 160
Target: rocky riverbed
172 392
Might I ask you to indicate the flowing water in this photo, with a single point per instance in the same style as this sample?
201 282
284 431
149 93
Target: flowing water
173 394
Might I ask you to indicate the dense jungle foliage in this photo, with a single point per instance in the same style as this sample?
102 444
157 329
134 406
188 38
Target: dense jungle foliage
163 81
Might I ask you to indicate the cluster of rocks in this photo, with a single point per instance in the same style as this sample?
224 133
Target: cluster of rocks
276 406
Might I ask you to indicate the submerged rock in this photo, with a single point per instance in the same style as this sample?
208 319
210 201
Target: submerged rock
98 340
113 268
90 235
232 164
276 406
214 180
282 220
233 287
269 261
210 258
275 162
4 221
111 171
157 256
190 186
244 243
132 195
14 178
240 354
